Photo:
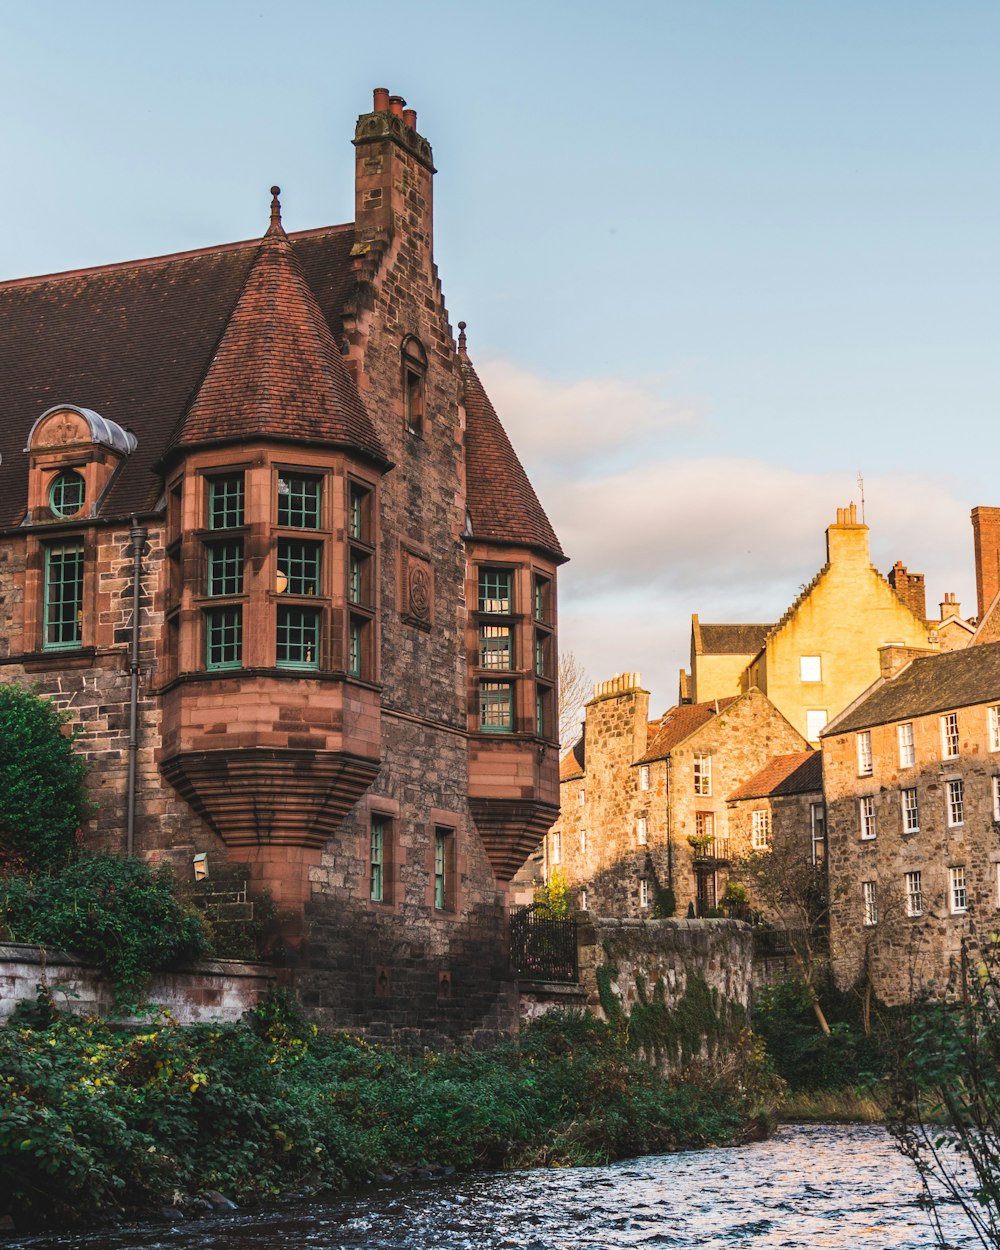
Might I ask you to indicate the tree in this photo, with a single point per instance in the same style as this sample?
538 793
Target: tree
574 691
790 890
43 800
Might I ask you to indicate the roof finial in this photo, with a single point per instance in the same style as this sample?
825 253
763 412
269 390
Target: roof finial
275 206
461 336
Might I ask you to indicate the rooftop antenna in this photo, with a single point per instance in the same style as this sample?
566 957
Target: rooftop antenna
861 487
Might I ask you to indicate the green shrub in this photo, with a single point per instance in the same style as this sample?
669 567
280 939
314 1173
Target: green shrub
116 913
42 783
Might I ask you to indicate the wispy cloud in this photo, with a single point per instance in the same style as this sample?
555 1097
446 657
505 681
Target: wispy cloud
655 533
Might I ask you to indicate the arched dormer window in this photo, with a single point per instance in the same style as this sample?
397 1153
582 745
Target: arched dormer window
67 493
414 374
73 454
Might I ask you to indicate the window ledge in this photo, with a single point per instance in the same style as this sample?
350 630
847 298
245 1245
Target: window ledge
78 657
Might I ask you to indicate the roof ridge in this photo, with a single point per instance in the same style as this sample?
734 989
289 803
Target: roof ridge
143 262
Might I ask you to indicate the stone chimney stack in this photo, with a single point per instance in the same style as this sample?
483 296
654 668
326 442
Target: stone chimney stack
950 607
617 720
986 533
847 540
910 588
394 169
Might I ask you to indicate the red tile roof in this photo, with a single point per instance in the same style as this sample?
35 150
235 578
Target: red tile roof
501 500
801 773
572 764
133 341
277 371
679 723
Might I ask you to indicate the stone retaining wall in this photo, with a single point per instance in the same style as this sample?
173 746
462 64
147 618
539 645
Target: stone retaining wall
216 990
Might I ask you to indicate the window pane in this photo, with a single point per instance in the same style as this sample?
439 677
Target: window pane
377 858
905 735
494 646
225 568
810 668
440 868
299 566
66 494
298 501
298 637
494 591
225 501
224 637
356 646
63 606
357 514
496 707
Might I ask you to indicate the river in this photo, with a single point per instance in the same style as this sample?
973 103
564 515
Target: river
811 1186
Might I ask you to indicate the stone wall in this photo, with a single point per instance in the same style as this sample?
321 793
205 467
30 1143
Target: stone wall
211 990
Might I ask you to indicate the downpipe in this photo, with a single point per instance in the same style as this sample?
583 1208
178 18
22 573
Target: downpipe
138 534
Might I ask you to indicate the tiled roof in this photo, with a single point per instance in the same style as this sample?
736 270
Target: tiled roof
500 498
133 341
278 371
933 683
801 773
732 639
679 723
572 764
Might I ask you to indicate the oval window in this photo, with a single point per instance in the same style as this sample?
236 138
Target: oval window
66 494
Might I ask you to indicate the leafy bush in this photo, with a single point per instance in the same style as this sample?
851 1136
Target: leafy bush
116 913
96 1122
41 781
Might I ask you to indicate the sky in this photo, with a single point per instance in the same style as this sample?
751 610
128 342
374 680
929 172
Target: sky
718 258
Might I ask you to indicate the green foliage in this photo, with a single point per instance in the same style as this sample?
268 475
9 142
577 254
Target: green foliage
43 801
665 904
97 1122
116 913
552 899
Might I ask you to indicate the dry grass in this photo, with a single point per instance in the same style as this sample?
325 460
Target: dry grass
831 1106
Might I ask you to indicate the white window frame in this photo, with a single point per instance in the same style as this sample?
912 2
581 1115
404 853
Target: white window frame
760 836
810 668
996 797
641 831
913 888
643 892
949 736
583 900
644 777
958 890
869 897
583 795
583 842
909 803
864 746
702 772
555 855
818 840
904 737
813 727
994 723
866 818
955 798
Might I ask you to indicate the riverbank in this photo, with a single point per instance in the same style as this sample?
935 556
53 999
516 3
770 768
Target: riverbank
98 1124
830 1106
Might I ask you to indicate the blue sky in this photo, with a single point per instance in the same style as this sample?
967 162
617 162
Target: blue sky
716 257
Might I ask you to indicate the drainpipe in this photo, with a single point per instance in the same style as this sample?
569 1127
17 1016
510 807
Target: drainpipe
670 821
138 535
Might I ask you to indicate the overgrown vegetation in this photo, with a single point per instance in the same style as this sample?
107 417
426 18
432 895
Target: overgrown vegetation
43 801
95 1122
115 913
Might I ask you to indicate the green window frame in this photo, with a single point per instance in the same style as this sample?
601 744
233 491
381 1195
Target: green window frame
356 577
495 591
541 598
441 837
224 637
377 859
67 493
496 707
541 655
299 501
540 702
225 567
300 560
495 647
226 501
356 519
62 608
356 646
297 637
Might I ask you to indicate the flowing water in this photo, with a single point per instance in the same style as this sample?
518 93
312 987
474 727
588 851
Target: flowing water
811 1186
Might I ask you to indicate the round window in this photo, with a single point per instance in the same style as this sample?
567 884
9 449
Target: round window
67 493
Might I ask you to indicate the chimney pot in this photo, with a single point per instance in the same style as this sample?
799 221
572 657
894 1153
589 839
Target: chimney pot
410 117
381 100
854 514
396 103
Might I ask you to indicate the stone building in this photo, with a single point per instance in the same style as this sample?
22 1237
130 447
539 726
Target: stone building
643 803
911 776
823 652
782 804
345 649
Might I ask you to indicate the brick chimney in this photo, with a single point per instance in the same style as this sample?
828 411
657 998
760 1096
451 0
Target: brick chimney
394 169
910 588
847 540
986 533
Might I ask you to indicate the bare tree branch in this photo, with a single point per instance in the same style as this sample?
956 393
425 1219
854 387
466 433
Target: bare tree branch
574 691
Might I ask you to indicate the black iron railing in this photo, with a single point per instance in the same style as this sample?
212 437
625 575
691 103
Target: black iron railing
543 948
